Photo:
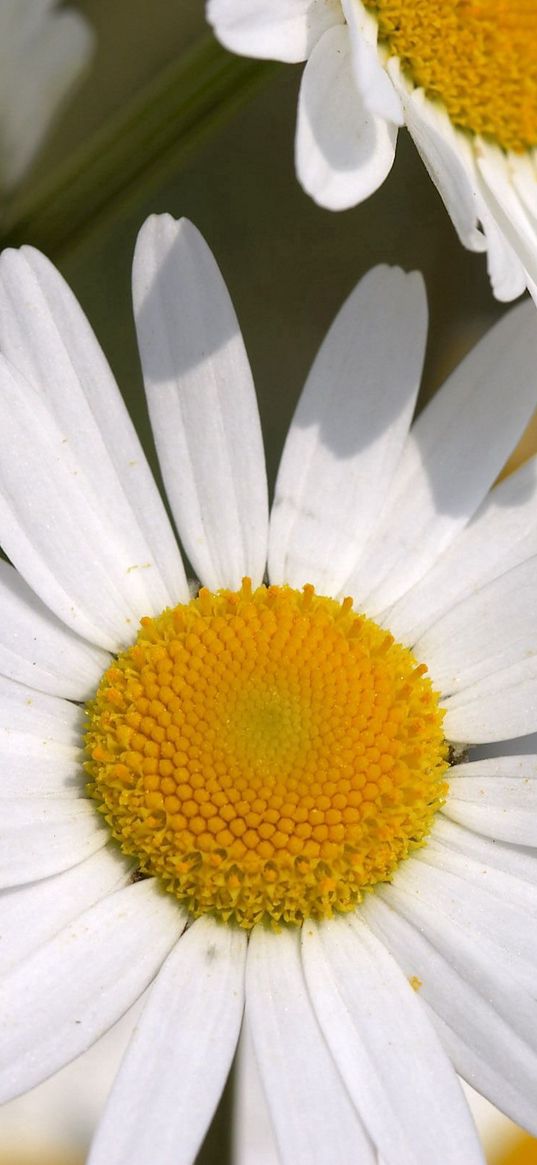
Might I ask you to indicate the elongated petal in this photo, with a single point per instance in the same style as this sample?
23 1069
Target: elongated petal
30 915
45 335
311 1112
496 797
489 631
253 1141
440 481
371 78
285 30
476 1033
385 1048
508 208
514 860
502 534
497 707
59 1001
37 650
342 152
348 431
42 837
201 403
173 1072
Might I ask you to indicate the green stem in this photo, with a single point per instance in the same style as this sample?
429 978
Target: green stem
137 148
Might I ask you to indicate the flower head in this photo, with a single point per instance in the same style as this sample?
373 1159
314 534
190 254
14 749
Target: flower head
462 78
255 791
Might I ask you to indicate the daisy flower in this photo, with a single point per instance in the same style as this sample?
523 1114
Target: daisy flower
243 790
43 50
461 76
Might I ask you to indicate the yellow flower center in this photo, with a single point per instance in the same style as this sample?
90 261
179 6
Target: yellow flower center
478 57
268 755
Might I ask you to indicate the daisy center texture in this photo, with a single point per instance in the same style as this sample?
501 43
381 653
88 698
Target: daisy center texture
268 754
478 57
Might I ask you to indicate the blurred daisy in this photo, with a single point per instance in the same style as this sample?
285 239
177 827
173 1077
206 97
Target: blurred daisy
265 817
461 76
44 48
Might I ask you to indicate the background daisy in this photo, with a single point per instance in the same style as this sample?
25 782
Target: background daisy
461 78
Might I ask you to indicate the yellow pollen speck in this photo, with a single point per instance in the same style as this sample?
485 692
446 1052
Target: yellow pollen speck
478 57
415 982
269 755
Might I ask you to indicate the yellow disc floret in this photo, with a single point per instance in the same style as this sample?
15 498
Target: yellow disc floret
269 755
478 57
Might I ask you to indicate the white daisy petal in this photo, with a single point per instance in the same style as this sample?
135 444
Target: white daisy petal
441 479
477 1036
45 335
285 30
502 534
311 1112
37 650
348 431
61 999
343 153
374 1026
445 153
40 739
201 402
42 837
497 707
32 914
253 1141
508 277
47 719
496 797
487 632
507 208
173 1073
372 80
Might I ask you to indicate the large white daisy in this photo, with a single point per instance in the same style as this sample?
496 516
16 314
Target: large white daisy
282 832
44 48
463 79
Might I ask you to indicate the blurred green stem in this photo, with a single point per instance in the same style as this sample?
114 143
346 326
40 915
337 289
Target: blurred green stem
137 149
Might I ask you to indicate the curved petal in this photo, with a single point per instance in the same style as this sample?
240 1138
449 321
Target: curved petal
497 707
372 80
45 335
496 797
513 860
42 837
30 915
348 431
37 650
502 534
201 402
440 482
477 1034
285 30
385 1048
176 1064
312 1115
343 153
61 999
508 209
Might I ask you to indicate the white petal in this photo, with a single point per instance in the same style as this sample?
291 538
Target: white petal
253 1140
475 1033
507 276
497 707
515 860
348 431
56 528
37 650
372 81
446 155
489 631
61 999
51 49
447 467
176 1064
43 837
385 1048
508 209
47 718
343 153
496 797
40 738
30 915
46 336
201 402
310 1109
285 30
502 534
